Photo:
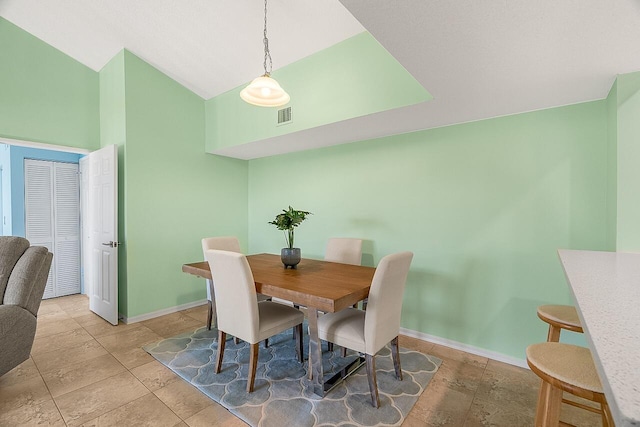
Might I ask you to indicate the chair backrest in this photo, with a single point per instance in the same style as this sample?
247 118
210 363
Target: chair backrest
344 250
382 318
235 291
228 243
11 249
24 271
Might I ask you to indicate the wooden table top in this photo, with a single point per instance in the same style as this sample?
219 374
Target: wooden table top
327 286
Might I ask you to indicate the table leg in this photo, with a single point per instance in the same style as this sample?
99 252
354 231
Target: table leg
315 353
211 318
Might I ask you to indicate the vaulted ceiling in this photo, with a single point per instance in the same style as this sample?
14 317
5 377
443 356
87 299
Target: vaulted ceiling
478 59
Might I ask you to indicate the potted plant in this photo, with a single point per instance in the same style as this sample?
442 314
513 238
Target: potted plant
287 221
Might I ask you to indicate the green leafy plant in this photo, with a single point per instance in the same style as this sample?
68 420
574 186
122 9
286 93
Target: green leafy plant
287 221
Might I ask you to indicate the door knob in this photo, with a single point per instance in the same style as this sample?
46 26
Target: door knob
112 244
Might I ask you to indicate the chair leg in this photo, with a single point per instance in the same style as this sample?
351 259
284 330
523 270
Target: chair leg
222 339
395 355
554 334
329 346
343 352
298 334
253 365
209 315
266 343
236 340
373 384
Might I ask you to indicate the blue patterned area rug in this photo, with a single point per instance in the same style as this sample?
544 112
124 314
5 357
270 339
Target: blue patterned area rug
282 394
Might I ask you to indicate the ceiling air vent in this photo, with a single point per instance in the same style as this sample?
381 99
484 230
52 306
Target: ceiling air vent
284 116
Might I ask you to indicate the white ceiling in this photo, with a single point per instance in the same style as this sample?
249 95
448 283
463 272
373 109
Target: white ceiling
478 58
209 46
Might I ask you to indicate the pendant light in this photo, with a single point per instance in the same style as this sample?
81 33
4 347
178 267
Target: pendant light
264 91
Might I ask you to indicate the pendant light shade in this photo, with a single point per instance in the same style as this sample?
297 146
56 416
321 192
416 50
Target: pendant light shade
264 91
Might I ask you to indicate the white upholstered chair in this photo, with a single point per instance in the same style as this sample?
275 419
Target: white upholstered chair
369 331
344 250
239 312
227 243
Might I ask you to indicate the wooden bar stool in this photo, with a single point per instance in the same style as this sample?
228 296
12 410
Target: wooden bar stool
569 368
559 317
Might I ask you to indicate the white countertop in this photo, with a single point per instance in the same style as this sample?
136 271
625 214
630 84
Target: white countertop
606 289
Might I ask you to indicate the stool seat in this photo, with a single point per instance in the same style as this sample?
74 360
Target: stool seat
567 363
559 317
565 368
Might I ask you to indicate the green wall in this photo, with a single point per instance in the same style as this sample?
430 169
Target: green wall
484 206
45 96
612 167
350 79
628 161
175 194
113 130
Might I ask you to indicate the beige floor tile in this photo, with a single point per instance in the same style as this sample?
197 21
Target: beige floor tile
36 414
60 341
68 356
502 382
443 352
147 411
128 339
73 377
199 313
53 316
183 398
154 375
440 405
133 357
47 307
493 413
23 393
106 328
415 344
51 327
467 390
90 319
214 415
172 324
78 312
72 301
27 370
463 377
92 401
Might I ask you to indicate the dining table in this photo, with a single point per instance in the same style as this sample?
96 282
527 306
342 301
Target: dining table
321 286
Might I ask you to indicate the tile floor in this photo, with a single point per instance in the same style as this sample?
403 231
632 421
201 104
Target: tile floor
84 371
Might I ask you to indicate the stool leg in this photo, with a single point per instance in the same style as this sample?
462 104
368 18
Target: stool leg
549 402
554 334
607 418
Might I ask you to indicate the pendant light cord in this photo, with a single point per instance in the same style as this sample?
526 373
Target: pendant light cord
267 54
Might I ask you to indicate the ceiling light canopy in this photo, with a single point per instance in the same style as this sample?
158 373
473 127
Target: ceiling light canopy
264 91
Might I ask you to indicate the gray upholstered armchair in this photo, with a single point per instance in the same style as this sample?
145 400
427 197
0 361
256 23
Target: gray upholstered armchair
24 271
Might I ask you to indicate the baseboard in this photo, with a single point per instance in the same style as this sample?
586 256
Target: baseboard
162 312
465 347
403 331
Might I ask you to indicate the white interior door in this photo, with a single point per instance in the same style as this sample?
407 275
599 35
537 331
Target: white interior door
101 272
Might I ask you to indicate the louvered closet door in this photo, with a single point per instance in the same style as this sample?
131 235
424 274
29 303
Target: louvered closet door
38 206
66 228
52 209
